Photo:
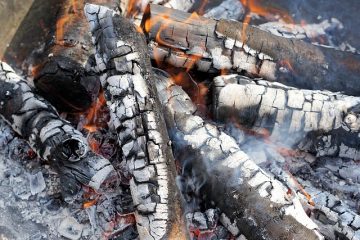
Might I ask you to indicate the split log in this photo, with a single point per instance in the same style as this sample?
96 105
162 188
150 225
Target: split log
127 79
61 74
213 45
325 123
260 206
52 138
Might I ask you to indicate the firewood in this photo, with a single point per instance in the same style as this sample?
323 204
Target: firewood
51 137
61 74
211 45
329 123
128 82
259 205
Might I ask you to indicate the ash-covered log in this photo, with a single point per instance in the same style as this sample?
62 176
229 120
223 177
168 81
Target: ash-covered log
61 72
210 45
126 76
258 205
52 138
325 123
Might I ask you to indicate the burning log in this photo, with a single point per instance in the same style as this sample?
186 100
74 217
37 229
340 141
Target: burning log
208 45
61 72
51 137
127 79
260 206
328 123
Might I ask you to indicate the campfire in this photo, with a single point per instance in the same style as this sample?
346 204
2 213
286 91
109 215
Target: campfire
178 119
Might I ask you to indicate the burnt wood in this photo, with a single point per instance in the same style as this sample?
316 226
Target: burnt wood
61 72
258 205
322 122
128 82
213 45
51 137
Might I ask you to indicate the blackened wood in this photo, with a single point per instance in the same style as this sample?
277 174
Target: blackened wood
127 79
53 138
214 45
60 73
259 205
327 123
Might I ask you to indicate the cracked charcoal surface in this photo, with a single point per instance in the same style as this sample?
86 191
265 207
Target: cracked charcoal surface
324 123
52 138
209 45
126 76
233 180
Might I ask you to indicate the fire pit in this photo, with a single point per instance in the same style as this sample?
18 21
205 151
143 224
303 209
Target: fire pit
179 119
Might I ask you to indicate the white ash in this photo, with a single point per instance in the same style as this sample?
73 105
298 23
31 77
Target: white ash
307 31
126 77
30 196
228 9
220 151
330 182
320 122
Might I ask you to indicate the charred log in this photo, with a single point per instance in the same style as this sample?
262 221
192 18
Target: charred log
127 79
51 137
321 122
260 206
213 45
61 74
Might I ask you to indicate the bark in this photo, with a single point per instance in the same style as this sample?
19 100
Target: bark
213 45
61 74
325 123
219 172
52 138
127 79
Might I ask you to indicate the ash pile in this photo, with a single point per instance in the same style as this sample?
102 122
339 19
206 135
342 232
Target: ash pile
179 119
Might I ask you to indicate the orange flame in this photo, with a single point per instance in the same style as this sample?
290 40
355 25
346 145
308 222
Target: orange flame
93 114
133 8
66 19
302 190
90 203
253 6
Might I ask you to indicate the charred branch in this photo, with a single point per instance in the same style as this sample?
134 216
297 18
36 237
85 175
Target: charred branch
61 72
127 79
51 138
325 123
257 204
213 45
